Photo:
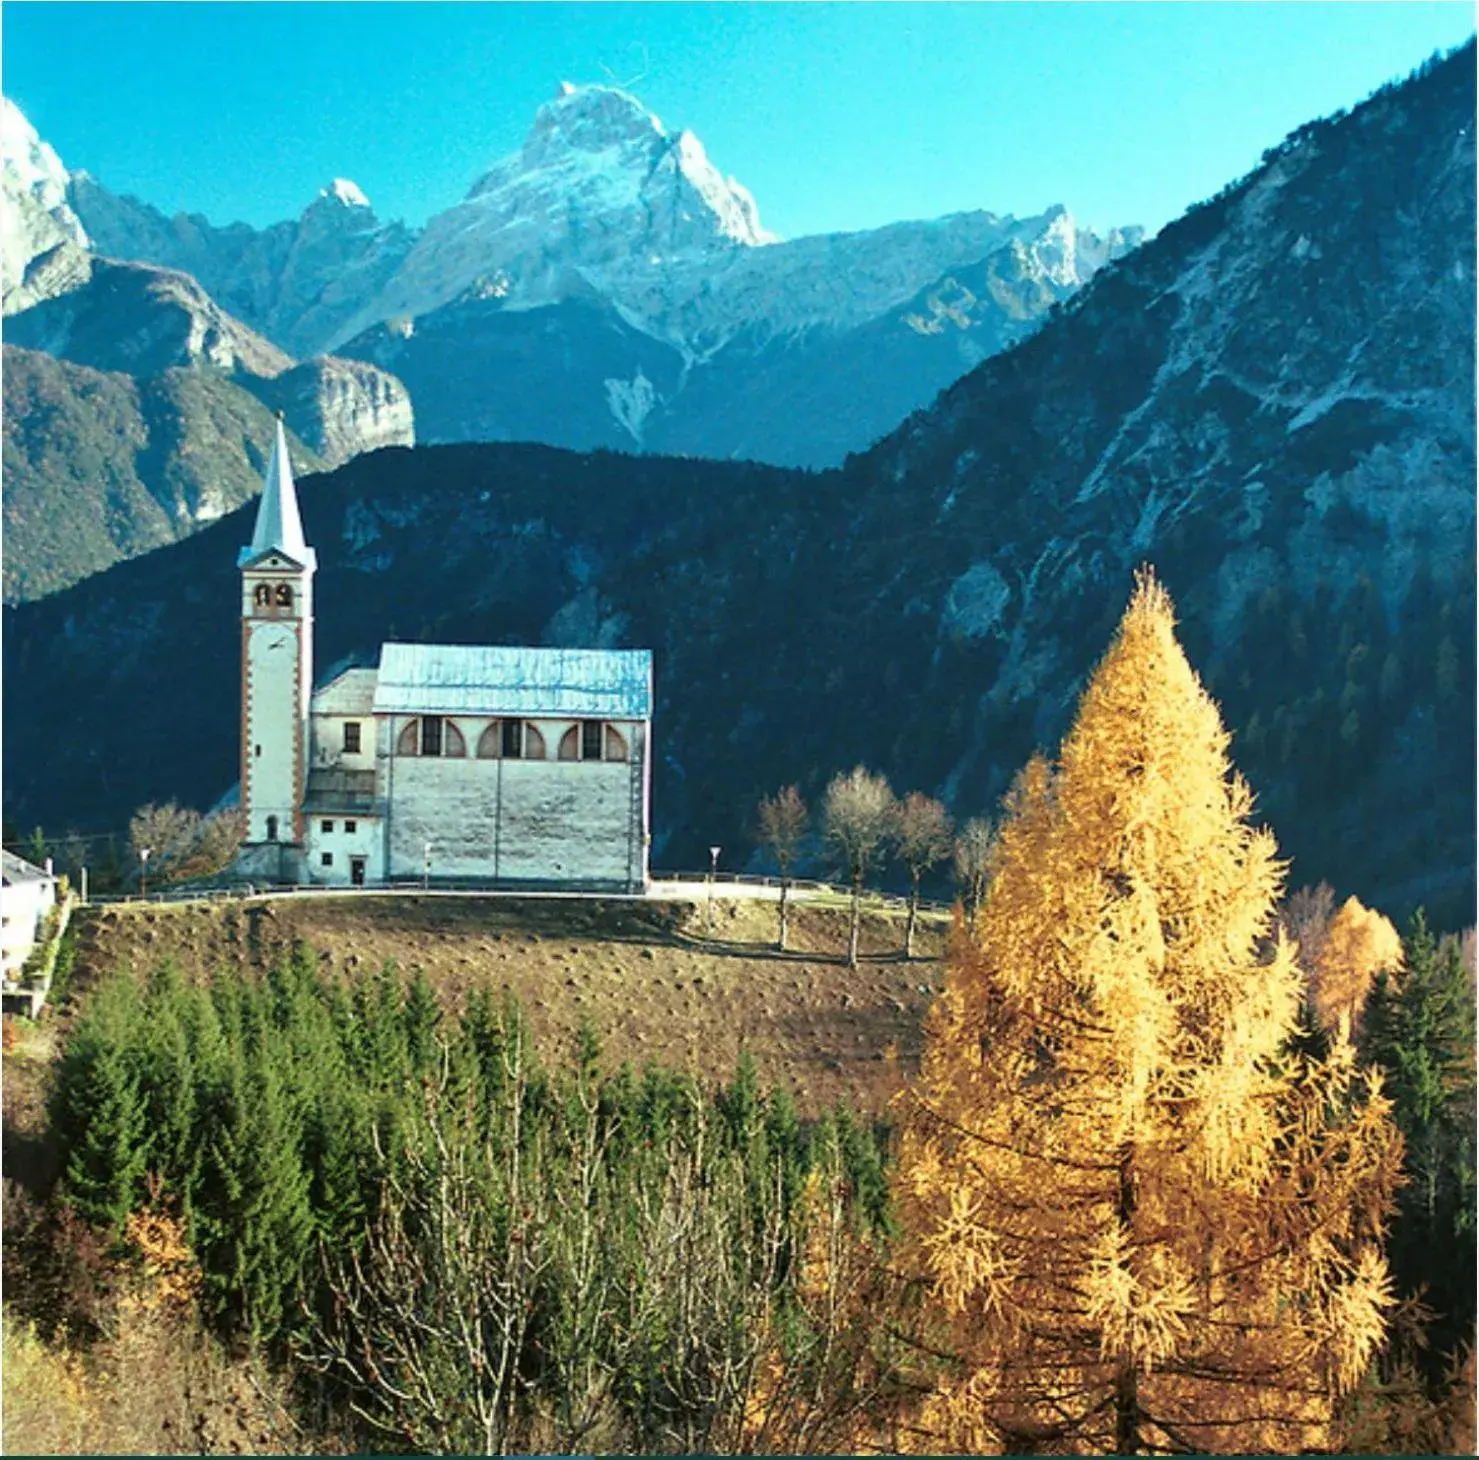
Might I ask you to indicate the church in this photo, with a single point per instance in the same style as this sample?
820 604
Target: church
499 767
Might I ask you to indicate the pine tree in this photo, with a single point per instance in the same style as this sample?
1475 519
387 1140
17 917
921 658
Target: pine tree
98 1108
1358 944
1420 1031
1145 1223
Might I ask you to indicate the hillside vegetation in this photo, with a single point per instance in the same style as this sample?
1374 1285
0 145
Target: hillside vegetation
646 977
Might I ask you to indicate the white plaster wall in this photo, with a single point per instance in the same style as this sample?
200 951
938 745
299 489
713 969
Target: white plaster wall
547 821
327 740
366 840
273 725
21 907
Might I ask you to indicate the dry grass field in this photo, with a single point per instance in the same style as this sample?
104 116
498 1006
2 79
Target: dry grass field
646 975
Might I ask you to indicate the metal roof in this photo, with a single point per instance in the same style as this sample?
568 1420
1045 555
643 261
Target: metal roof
349 693
279 527
450 679
14 870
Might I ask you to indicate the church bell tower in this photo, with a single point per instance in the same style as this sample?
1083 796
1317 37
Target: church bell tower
276 675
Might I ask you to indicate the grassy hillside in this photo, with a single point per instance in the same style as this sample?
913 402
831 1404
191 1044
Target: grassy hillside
652 983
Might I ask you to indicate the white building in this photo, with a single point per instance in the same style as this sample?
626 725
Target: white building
504 766
27 894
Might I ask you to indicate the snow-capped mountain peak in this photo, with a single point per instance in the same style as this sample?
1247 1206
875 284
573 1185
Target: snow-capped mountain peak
32 167
342 191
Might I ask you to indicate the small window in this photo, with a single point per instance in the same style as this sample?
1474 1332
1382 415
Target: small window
616 747
284 596
351 737
590 740
513 739
350 827
257 750
326 827
489 741
431 735
326 860
262 596
271 826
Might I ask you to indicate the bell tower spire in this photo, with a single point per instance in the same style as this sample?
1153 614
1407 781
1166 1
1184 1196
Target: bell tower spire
277 570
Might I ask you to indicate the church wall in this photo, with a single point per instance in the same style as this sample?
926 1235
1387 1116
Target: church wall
328 742
514 820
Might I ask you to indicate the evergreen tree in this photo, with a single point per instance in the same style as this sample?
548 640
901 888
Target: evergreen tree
1420 1032
99 1111
1145 1224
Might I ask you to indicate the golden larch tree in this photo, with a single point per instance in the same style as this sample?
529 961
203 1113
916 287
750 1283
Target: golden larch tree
1359 944
1142 1220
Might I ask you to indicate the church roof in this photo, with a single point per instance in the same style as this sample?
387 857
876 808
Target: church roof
279 527
350 693
14 870
449 679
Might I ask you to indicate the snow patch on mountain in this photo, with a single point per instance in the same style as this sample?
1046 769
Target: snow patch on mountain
631 402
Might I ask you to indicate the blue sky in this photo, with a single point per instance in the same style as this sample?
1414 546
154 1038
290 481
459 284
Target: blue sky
835 116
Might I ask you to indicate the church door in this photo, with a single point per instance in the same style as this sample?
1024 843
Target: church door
357 871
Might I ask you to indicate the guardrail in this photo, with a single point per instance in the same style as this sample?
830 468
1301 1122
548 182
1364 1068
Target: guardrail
453 887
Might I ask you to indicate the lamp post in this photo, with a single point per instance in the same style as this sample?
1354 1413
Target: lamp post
426 867
144 871
713 872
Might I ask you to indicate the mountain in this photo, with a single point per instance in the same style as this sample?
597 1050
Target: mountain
142 320
43 245
1273 401
101 465
162 452
295 282
606 285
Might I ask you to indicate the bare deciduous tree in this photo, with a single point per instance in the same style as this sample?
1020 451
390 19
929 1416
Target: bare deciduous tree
783 821
925 838
168 833
860 815
1306 916
973 865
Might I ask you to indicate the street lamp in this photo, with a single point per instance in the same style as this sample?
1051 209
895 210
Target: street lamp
144 870
713 872
426 867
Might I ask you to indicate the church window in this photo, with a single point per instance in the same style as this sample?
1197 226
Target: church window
326 860
569 744
453 744
272 828
406 743
491 741
590 739
350 827
351 737
616 747
533 742
257 751
284 596
328 827
431 735
513 739
262 595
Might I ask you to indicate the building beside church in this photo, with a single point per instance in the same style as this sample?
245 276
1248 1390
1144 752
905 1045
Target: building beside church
511 767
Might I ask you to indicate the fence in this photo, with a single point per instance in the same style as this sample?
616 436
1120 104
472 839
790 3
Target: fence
699 882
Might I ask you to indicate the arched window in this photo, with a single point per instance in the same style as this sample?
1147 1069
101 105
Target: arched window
533 743
616 746
432 735
490 742
284 595
262 595
272 828
569 744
